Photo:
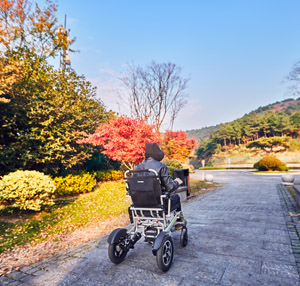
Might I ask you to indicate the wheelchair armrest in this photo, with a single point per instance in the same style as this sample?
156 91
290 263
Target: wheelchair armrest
172 192
162 197
181 189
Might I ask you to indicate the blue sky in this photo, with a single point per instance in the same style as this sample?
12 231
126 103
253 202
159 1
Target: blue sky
237 54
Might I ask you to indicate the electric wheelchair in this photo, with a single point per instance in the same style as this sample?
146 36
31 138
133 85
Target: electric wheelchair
152 216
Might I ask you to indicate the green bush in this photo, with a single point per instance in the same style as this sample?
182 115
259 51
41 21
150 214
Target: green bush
172 163
75 184
109 175
171 171
27 190
270 163
256 165
283 168
294 145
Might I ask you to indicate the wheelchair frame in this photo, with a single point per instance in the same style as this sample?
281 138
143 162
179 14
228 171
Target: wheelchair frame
154 224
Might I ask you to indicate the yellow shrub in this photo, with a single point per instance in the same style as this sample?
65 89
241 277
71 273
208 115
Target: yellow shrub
109 175
75 184
27 190
270 163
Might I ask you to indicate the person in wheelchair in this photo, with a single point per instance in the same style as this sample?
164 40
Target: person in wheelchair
154 211
153 156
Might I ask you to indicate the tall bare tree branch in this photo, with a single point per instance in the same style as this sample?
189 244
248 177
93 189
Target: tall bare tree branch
155 93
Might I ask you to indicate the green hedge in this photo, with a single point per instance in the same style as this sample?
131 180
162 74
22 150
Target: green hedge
212 168
75 184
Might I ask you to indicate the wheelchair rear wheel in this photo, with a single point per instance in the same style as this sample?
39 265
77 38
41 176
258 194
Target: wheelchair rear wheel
164 255
116 252
184 237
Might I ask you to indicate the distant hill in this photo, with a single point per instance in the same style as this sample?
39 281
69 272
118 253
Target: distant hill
202 133
290 104
293 105
243 139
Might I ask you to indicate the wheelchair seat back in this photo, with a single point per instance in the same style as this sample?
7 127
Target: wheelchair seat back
144 188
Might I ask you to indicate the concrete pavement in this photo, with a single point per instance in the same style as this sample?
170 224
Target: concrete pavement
240 234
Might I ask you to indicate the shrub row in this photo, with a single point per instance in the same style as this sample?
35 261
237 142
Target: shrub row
108 175
29 190
77 184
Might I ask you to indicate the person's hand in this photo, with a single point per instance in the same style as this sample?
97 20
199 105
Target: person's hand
179 181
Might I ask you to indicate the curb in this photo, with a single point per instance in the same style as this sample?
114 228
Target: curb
289 207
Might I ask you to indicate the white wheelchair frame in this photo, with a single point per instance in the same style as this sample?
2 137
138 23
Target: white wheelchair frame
154 224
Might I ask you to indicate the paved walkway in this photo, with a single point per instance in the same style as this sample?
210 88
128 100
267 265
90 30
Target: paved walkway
238 235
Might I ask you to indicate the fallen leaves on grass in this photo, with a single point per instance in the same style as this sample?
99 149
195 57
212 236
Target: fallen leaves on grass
202 188
28 254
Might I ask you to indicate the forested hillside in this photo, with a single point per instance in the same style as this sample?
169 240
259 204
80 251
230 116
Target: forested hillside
290 104
200 134
274 127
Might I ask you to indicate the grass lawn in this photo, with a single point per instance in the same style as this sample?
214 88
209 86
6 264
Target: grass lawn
212 168
273 172
291 191
68 215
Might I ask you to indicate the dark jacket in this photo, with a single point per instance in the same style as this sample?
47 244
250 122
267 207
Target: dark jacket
153 156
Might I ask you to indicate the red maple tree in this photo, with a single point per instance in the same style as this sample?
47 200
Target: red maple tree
176 145
123 139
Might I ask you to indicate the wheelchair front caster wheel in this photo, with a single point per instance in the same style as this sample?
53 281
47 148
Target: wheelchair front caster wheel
164 256
116 253
184 237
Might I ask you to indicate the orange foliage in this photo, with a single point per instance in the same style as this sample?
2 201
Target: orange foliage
25 31
124 139
22 25
177 146
9 74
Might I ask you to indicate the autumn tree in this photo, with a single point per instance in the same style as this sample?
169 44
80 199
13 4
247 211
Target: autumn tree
156 93
41 123
28 26
176 145
42 109
27 29
123 139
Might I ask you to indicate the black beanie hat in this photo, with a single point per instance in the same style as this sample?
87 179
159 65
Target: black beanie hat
152 150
